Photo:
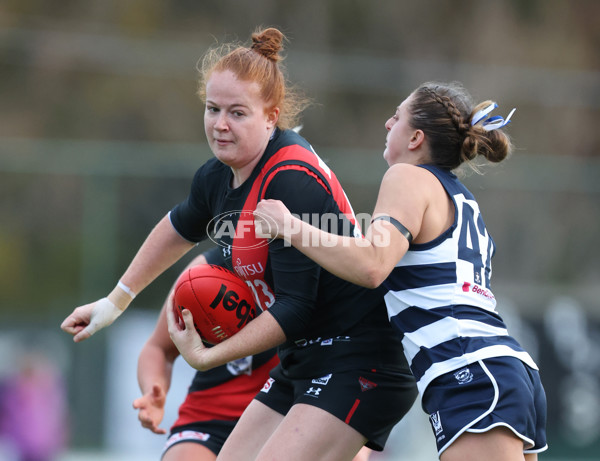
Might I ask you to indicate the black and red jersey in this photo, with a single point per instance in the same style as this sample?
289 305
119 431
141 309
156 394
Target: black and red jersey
223 393
311 305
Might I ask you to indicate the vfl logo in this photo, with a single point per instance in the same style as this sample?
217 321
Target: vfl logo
436 422
323 380
463 376
365 384
229 299
238 224
267 386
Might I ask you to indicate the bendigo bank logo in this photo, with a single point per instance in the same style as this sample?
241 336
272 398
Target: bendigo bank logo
474 288
236 229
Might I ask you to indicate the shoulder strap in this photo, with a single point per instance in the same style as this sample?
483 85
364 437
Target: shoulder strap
292 164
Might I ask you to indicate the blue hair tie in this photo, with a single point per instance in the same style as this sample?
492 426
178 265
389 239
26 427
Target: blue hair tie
491 123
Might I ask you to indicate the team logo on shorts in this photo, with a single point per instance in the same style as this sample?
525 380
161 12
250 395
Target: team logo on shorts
267 387
313 391
463 376
323 380
365 384
436 422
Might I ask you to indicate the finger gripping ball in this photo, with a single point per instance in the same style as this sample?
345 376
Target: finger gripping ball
220 302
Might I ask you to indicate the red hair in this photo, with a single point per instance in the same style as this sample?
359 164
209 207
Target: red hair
260 63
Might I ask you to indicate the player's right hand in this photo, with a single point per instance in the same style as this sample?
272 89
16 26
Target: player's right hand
86 320
151 408
272 219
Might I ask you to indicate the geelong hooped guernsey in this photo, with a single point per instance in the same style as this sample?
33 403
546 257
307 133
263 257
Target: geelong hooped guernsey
439 295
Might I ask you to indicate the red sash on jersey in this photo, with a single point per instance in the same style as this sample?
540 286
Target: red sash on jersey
249 253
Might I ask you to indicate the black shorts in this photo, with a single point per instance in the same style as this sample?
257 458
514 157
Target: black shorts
370 401
212 434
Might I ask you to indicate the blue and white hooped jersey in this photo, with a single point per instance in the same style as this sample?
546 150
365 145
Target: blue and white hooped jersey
439 295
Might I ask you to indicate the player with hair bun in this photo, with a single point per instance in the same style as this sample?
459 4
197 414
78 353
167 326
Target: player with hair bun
342 381
429 247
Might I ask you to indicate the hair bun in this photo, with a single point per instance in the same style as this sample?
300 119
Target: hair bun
268 42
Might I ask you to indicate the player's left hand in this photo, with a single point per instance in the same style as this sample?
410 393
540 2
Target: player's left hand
186 338
151 408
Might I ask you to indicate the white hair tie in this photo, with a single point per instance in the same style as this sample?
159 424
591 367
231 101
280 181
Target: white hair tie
491 123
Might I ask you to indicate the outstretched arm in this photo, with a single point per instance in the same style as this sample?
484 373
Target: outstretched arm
155 367
367 261
161 249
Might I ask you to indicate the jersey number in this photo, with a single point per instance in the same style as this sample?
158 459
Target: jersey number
472 237
264 300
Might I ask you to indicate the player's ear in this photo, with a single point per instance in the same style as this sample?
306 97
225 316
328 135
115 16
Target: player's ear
417 138
272 116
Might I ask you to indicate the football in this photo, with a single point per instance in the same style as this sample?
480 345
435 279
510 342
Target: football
220 302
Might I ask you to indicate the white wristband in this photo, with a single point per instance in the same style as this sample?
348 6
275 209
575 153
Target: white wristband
126 289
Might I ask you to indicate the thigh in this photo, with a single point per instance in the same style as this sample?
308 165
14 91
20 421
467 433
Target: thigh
194 439
253 429
308 433
369 401
498 444
189 451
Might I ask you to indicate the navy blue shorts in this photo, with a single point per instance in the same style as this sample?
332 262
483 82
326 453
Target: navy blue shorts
370 401
212 434
500 391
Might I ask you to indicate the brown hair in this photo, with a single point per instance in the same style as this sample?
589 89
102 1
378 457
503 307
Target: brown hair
444 112
260 63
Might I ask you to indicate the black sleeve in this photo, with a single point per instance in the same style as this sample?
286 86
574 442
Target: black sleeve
215 256
191 217
295 277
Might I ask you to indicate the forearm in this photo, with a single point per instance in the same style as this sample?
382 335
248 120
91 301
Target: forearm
261 334
154 368
161 249
350 258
